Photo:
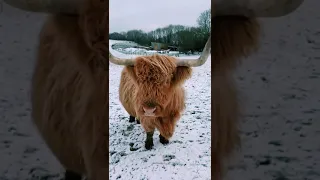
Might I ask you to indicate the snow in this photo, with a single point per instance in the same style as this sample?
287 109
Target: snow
187 156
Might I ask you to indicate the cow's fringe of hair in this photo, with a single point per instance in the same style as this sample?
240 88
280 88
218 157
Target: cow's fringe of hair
162 66
70 88
233 39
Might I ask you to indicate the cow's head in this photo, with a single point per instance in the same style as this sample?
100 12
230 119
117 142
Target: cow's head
156 78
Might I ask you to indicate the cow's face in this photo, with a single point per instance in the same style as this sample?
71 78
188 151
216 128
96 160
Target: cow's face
156 78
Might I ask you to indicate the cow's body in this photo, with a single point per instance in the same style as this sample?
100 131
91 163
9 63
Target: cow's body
150 80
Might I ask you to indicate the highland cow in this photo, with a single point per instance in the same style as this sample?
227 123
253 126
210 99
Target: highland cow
152 91
69 85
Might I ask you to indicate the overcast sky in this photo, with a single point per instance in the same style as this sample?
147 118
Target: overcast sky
148 15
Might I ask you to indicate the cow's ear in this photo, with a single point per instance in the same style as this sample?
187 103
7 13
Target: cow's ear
181 74
132 73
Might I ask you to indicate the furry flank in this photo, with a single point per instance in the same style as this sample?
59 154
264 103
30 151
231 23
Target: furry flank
69 89
234 38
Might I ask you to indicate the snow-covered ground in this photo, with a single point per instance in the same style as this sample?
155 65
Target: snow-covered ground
187 156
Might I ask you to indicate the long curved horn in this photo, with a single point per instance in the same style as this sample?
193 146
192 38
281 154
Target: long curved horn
48 6
120 61
255 8
201 60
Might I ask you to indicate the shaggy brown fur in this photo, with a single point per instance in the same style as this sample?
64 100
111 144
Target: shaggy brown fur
158 81
233 39
70 89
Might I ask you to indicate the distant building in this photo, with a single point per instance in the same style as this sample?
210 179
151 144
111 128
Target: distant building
159 46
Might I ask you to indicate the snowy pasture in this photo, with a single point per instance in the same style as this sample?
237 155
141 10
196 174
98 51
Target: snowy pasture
187 156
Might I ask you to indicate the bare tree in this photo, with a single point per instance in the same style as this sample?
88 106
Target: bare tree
204 21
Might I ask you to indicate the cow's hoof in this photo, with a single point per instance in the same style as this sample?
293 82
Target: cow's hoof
138 121
163 140
148 145
132 119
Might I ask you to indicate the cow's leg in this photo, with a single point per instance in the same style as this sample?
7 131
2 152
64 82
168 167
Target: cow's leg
166 126
131 119
149 140
70 175
149 127
163 140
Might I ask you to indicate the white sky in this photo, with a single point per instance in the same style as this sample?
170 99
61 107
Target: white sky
148 15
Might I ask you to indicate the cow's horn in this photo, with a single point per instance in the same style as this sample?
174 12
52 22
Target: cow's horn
255 8
201 60
180 62
48 6
120 61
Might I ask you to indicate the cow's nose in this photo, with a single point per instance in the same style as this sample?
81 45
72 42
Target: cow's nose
150 105
149 110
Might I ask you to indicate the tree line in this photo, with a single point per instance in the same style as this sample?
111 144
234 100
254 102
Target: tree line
184 37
